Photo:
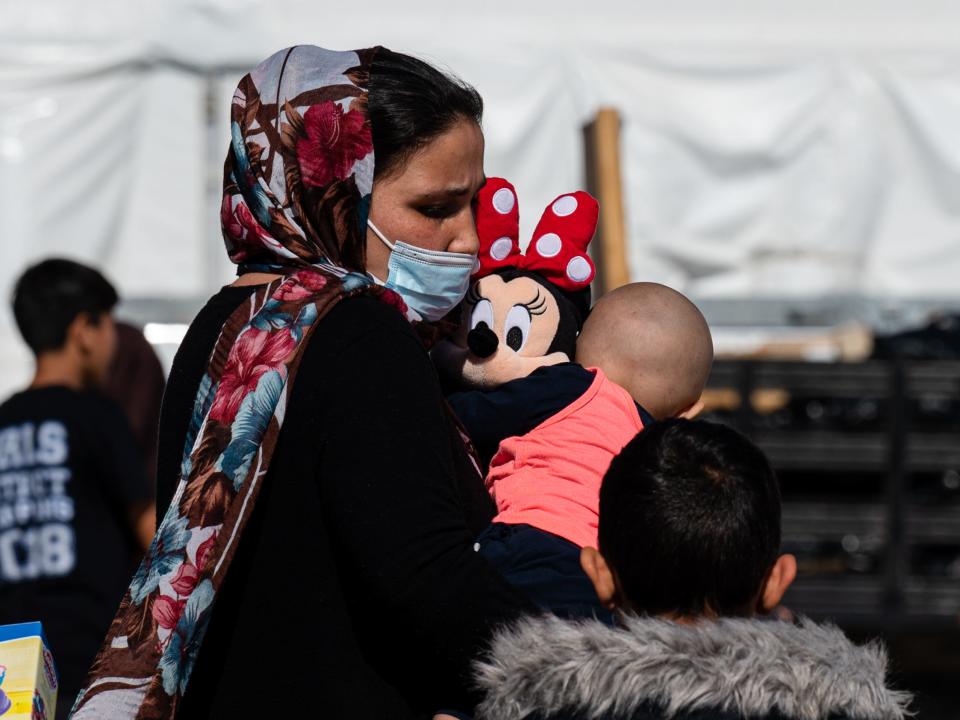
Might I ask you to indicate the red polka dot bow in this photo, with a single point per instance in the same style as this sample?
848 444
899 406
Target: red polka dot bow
558 249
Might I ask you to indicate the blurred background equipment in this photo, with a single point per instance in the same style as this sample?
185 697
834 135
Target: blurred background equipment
869 464
783 163
792 167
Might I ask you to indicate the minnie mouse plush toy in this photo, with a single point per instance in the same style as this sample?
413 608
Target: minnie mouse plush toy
521 316
536 417
523 311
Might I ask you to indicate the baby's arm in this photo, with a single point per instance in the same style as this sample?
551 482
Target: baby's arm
517 407
489 416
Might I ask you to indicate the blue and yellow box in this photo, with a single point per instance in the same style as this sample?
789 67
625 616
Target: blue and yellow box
28 679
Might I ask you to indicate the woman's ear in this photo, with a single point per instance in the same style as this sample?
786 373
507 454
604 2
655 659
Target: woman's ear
781 576
596 568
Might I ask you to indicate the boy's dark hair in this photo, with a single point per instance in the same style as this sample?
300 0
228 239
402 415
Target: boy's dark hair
51 294
690 519
410 103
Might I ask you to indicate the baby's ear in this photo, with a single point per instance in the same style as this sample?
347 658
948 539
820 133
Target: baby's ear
596 568
691 412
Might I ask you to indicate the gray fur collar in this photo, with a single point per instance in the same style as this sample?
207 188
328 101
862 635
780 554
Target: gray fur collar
753 667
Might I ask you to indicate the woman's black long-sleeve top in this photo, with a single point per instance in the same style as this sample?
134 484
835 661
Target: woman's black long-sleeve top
355 590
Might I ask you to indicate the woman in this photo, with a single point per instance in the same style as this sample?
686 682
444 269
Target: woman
311 480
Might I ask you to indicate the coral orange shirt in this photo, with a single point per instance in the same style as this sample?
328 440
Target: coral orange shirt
550 477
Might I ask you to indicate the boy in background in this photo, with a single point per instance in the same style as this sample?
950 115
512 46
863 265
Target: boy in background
75 502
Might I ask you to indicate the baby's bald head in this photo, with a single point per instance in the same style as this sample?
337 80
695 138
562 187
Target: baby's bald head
653 342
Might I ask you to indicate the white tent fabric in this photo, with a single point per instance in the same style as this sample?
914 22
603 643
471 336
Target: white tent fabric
770 148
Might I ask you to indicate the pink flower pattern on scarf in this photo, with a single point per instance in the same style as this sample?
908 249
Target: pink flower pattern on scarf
335 141
256 352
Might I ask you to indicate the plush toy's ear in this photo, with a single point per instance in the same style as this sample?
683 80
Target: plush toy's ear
498 226
558 250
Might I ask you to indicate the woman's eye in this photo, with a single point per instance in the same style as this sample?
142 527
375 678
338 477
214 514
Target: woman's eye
517 327
482 313
437 212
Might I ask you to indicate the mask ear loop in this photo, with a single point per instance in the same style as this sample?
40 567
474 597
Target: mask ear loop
376 231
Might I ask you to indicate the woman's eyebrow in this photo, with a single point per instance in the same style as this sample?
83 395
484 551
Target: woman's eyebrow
451 191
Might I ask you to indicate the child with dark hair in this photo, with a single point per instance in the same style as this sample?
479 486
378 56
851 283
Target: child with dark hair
689 554
697 504
63 311
75 502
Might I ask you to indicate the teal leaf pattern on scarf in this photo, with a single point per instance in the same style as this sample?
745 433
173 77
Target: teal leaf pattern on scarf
178 658
205 393
270 318
165 553
355 281
253 194
251 422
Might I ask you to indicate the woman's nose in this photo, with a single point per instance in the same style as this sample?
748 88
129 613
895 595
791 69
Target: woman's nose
466 240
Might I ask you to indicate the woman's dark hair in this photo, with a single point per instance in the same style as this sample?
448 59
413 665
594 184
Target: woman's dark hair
51 294
690 519
410 103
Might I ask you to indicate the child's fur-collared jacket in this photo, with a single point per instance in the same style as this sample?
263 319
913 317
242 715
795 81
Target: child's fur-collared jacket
650 669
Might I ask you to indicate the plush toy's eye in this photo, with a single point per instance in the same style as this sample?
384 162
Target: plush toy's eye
482 313
517 328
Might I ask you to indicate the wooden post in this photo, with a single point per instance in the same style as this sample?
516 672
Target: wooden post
602 146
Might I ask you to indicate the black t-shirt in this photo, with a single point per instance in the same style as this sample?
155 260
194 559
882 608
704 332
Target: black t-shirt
355 590
70 470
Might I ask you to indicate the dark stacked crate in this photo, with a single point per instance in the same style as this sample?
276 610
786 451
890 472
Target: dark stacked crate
869 460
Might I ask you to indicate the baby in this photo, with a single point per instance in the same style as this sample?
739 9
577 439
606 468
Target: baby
644 354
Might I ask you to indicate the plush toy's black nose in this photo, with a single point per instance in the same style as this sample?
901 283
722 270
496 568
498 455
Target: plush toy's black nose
482 341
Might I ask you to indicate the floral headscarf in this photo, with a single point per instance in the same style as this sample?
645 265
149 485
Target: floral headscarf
298 178
297 184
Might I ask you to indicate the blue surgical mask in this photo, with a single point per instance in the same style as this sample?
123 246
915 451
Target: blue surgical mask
431 282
